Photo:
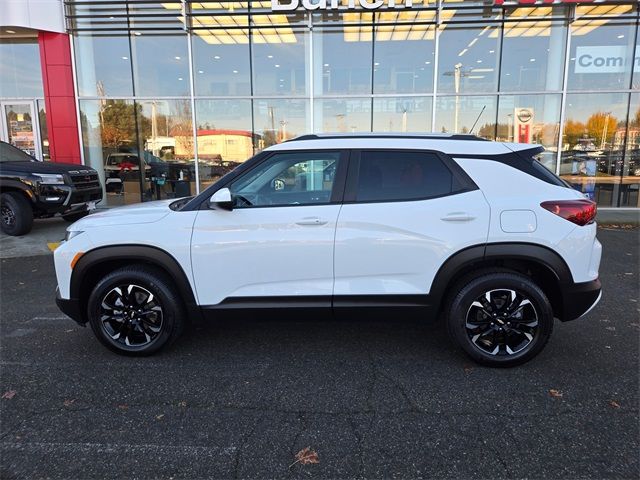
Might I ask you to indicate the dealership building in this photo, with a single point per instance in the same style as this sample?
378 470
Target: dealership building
164 97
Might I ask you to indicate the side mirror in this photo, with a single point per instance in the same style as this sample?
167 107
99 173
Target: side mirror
221 199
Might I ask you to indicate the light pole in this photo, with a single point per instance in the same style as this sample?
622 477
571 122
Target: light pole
605 131
457 73
456 83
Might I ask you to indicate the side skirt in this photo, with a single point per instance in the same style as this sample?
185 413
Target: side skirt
338 307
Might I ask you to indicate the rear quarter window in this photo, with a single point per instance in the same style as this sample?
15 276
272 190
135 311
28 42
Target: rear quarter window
543 173
402 175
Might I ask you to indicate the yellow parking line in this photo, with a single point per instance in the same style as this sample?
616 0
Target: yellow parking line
53 245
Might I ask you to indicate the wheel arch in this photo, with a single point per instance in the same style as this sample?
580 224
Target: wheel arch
7 186
96 263
547 268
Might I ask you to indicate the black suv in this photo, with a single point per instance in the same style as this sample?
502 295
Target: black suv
31 189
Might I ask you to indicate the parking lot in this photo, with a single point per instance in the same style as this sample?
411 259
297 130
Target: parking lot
394 398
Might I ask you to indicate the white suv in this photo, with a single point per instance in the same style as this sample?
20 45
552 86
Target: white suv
476 230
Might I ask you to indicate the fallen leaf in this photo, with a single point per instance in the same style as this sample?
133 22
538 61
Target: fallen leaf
68 403
9 394
555 393
159 417
182 404
305 457
614 404
468 369
123 407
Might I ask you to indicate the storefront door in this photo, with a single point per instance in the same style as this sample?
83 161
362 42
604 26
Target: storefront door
20 126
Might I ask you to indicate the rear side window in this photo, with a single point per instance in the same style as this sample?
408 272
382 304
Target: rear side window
402 175
544 174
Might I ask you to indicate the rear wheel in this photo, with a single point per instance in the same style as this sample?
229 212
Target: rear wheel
16 214
135 311
500 319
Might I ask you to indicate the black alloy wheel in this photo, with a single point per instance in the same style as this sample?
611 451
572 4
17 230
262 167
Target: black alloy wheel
8 216
500 319
131 315
502 322
135 310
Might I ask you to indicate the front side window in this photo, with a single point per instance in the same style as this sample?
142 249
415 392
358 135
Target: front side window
297 178
395 175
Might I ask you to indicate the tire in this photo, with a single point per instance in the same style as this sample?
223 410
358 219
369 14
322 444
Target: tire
16 214
125 332
507 328
74 217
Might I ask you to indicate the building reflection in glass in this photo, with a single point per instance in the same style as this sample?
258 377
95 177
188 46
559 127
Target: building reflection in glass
450 66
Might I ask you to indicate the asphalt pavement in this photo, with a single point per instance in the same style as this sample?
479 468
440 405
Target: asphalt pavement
373 399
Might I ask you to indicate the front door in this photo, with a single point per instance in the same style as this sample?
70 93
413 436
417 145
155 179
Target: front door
278 239
20 126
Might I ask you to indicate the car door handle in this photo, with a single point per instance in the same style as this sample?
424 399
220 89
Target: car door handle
458 217
311 221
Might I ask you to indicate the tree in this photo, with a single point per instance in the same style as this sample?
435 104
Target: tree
488 130
118 124
573 131
601 126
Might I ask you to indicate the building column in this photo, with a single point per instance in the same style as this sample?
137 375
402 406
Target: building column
59 97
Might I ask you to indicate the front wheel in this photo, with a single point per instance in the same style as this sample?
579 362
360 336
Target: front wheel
16 214
135 311
500 319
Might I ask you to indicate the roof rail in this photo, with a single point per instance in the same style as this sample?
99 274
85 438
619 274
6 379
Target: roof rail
415 136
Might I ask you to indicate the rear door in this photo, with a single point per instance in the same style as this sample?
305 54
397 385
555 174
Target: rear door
405 212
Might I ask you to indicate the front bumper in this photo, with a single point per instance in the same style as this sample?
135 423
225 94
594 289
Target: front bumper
65 198
579 298
70 307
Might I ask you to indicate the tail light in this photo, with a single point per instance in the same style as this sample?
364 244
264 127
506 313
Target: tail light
581 212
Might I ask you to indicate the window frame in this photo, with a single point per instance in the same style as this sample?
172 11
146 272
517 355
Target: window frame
337 191
351 187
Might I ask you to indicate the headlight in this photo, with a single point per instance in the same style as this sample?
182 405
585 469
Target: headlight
71 234
50 178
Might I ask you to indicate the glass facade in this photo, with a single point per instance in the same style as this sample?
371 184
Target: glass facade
175 94
23 121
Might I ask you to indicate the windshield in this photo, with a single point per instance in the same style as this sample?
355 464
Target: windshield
9 153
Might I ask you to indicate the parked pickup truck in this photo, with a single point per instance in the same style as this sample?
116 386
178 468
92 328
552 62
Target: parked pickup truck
32 189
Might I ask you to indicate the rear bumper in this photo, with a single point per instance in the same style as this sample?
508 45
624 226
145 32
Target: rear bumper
71 308
579 298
